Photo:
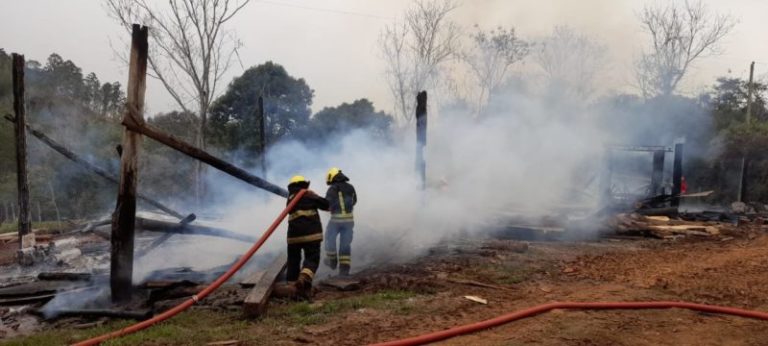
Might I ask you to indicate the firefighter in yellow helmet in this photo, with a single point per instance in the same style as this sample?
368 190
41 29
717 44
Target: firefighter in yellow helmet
342 198
305 233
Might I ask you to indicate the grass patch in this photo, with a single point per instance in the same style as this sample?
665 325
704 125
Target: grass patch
42 227
508 273
201 326
308 314
196 326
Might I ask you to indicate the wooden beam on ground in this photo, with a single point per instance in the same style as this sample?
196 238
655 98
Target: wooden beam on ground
22 184
124 217
202 155
256 302
252 279
180 228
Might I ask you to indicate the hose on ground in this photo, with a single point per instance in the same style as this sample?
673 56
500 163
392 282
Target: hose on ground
206 291
529 312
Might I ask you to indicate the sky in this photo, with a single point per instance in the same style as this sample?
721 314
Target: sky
333 44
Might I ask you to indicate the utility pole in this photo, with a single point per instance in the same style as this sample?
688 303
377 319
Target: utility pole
263 134
744 159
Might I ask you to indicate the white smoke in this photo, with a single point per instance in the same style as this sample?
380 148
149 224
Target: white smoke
527 160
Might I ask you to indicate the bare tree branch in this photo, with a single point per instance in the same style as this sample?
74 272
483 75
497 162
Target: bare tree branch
489 57
191 49
680 35
570 61
415 48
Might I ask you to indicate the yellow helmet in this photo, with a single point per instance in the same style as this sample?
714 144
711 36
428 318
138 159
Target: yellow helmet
298 179
332 174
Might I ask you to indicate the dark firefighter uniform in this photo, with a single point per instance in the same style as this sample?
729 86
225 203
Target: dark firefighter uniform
305 233
342 198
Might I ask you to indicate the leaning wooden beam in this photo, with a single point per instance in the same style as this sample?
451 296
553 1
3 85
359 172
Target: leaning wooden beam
93 168
256 301
25 226
199 154
176 228
124 217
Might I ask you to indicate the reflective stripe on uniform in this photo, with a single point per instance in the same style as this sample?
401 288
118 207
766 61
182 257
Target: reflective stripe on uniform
300 213
342 218
308 272
305 239
345 259
341 203
331 254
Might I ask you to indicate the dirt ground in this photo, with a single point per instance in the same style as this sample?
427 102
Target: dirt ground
428 295
731 272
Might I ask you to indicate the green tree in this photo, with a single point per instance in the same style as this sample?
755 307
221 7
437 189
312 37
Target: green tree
74 110
331 122
234 125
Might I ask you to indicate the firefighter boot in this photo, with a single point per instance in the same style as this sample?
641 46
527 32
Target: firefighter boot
344 270
304 285
331 260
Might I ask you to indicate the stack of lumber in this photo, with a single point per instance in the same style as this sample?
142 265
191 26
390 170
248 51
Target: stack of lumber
664 226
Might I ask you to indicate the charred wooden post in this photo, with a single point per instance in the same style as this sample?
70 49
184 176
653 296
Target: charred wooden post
93 168
263 137
124 217
677 174
203 156
22 184
658 172
421 137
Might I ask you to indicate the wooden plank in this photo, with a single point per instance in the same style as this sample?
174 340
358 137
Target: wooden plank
124 217
22 184
256 301
252 279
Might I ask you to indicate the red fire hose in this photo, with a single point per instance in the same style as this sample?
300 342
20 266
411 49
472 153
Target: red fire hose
497 321
206 291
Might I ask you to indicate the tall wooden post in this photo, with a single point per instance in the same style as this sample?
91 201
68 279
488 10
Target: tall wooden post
263 137
25 227
421 137
677 174
124 218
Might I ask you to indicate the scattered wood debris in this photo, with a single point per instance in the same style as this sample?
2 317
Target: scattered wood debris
665 227
477 299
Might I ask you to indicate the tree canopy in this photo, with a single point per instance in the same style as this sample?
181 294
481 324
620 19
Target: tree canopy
287 101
